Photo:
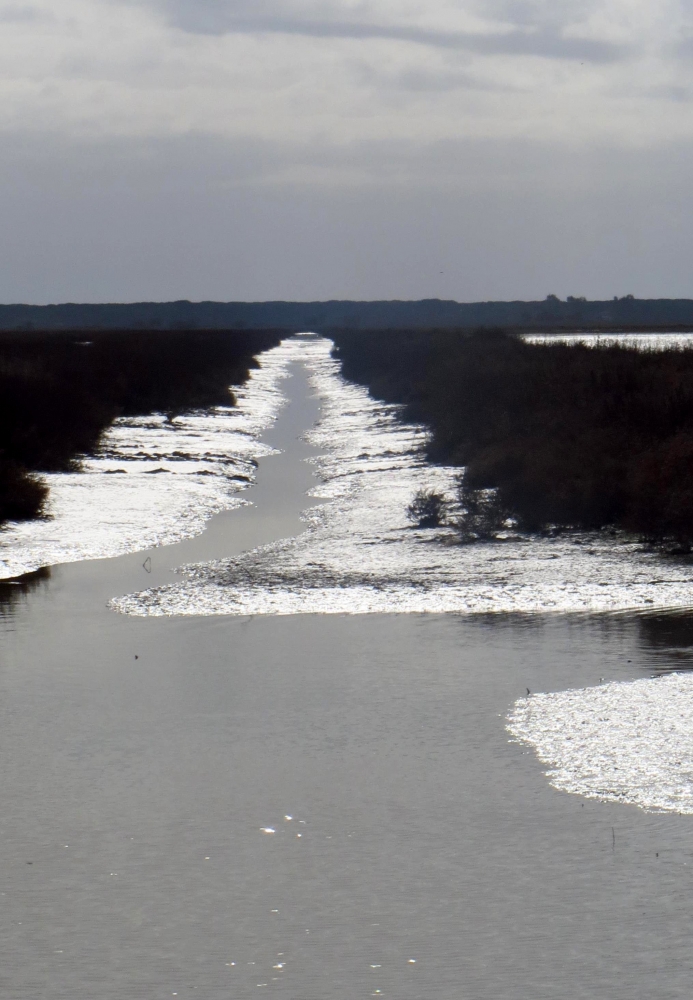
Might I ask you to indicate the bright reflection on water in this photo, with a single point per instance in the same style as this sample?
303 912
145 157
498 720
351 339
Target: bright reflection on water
359 555
643 341
628 742
153 481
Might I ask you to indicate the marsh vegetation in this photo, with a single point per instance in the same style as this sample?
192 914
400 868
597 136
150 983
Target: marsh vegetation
59 391
565 435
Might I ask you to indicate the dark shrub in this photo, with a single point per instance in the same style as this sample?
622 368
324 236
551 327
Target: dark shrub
482 515
428 509
22 495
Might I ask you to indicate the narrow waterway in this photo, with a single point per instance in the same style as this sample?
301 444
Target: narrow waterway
316 805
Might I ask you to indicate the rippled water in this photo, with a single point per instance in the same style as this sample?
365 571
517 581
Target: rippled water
153 481
360 555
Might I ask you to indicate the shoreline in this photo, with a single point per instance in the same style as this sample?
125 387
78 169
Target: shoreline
101 515
271 509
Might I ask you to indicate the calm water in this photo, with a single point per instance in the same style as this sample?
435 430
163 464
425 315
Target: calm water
146 758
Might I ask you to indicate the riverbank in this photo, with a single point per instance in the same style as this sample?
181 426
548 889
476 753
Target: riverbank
61 390
153 480
361 555
569 435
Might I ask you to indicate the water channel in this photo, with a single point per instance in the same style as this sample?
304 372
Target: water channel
225 796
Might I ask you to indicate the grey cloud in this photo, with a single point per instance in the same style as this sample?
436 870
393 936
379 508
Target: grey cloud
521 43
535 13
17 13
547 42
679 95
684 49
420 81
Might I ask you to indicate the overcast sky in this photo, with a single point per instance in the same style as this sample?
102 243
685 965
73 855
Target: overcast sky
296 149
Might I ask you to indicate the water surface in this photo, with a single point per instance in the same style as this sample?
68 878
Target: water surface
324 805
361 555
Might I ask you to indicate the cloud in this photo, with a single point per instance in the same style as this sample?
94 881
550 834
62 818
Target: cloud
517 43
229 149
22 13
343 69
543 38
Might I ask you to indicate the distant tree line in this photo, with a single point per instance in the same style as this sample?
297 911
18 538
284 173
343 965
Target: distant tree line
576 312
59 391
566 435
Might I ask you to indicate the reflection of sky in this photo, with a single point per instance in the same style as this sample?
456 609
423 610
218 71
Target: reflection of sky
360 555
152 482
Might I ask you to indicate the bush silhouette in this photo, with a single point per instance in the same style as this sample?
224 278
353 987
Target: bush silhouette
428 509
482 514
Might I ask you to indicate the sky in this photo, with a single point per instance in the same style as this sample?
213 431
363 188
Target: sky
362 149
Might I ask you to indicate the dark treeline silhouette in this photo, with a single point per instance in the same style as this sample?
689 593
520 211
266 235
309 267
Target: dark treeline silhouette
569 435
625 312
60 390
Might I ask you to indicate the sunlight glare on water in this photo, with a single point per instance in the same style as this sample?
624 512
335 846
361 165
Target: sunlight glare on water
153 481
628 742
643 341
360 555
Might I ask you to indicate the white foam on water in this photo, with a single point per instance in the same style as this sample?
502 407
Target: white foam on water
360 555
152 482
628 742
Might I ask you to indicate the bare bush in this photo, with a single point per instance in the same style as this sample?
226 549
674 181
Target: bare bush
482 515
428 509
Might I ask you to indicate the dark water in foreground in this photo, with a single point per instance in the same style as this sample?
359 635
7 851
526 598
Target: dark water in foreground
434 860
